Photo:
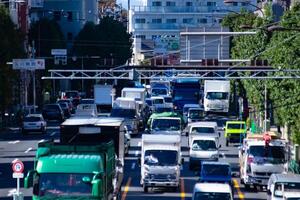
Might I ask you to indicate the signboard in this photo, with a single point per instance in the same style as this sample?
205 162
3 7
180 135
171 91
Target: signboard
89 130
29 64
18 175
18 166
36 3
58 52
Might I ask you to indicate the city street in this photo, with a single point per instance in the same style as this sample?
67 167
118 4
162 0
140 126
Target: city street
13 145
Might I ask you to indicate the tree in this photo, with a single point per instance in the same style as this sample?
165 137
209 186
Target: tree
11 46
108 40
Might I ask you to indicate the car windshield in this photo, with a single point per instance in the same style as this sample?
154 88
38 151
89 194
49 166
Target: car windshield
235 126
204 145
197 130
185 94
168 99
125 113
71 94
163 109
196 114
32 119
287 187
166 125
272 154
51 107
215 170
160 157
211 196
217 95
61 184
159 91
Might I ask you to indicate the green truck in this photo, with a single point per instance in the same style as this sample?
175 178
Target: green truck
86 164
235 131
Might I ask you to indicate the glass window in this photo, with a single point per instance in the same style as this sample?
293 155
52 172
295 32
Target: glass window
168 99
170 3
210 3
217 95
189 3
141 36
216 170
171 21
160 157
288 187
235 3
236 126
166 125
156 21
32 119
275 154
187 20
124 113
140 20
156 3
203 130
211 195
204 145
203 20
244 4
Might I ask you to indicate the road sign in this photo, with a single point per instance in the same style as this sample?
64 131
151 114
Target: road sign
29 64
18 166
18 175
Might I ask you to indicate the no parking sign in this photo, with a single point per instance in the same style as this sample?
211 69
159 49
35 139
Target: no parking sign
18 168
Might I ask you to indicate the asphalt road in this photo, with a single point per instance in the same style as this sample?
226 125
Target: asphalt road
13 145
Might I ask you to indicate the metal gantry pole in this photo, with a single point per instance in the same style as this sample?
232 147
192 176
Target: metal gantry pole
266 109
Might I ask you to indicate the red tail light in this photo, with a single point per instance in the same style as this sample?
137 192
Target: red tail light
250 159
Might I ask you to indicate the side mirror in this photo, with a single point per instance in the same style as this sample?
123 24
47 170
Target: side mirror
97 188
28 181
139 161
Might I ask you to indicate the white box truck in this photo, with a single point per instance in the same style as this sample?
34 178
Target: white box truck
160 161
103 96
216 96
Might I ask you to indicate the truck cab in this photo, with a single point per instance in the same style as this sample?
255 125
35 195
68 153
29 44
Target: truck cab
235 131
195 115
166 125
160 161
260 156
203 148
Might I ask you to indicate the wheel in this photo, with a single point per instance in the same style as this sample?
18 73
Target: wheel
145 188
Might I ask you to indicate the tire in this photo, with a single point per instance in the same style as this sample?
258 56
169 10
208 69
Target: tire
145 188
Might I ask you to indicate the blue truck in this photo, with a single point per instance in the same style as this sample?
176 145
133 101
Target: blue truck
186 91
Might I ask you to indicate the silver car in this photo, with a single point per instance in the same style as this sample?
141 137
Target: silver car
34 123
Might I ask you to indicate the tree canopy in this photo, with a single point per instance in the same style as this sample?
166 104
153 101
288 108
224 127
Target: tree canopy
108 39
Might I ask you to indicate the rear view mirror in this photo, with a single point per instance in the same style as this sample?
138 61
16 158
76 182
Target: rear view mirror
97 188
28 181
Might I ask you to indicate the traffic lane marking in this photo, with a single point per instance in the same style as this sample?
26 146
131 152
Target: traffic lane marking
182 193
133 165
237 187
11 192
52 134
29 149
126 189
14 142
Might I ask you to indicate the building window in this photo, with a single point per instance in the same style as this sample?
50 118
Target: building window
170 3
171 21
141 36
235 3
210 3
154 37
156 3
70 16
57 15
244 4
187 20
156 21
202 20
189 3
70 36
140 20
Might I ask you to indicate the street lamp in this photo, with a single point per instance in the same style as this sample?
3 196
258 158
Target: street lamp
247 2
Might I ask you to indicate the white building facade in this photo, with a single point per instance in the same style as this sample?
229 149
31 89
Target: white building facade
156 25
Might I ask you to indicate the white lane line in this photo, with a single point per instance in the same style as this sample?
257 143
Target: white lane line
14 160
11 192
139 144
41 141
133 166
52 134
29 149
14 142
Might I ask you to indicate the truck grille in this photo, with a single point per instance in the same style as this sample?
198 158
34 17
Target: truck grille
262 173
162 177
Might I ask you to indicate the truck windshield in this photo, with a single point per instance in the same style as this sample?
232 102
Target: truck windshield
288 187
204 145
270 154
163 109
211 195
134 95
186 94
236 126
196 114
159 91
158 101
61 184
196 130
125 113
215 170
166 125
161 157
217 95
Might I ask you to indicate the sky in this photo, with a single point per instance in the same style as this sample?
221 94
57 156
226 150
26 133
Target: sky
132 2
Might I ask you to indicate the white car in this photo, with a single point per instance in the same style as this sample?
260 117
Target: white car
34 123
216 191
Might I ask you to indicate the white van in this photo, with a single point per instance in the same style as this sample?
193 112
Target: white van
216 191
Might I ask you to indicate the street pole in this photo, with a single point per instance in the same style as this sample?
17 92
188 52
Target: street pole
266 111
33 77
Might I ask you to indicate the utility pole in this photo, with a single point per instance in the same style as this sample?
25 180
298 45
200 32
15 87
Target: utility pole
33 78
266 109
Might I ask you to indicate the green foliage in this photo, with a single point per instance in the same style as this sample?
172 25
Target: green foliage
108 39
282 49
11 46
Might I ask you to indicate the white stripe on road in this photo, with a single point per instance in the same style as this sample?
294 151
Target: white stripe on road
29 149
52 134
11 192
41 141
133 166
14 142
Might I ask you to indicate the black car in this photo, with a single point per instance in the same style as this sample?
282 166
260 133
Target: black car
53 112
64 106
